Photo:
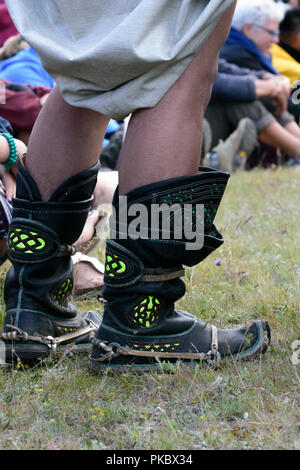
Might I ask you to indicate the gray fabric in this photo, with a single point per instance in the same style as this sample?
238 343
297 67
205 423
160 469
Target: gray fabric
225 117
285 118
115 56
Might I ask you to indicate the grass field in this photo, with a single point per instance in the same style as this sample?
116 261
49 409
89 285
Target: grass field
249 405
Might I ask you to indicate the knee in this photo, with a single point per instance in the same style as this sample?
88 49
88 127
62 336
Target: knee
192 91
212 72
210 77
201 90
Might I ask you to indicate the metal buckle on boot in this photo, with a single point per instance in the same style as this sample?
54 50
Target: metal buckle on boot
66 250
214 353
216 357
114 347
52 345
111 349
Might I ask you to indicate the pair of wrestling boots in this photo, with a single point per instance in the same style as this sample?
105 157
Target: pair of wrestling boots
140 325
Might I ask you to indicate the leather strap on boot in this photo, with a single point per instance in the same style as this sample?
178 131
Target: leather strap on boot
124 269
32 242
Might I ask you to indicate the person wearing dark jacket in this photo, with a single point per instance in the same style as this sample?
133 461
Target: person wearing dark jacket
286 54
254 30
232 88
236 94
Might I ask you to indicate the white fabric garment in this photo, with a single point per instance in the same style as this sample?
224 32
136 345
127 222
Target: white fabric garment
116 56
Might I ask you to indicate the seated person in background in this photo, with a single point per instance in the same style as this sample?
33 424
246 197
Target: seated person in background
286 56
25 68
21 107
27 84
20 63
236 95
255 28
8 145
289 3
12 46
8 175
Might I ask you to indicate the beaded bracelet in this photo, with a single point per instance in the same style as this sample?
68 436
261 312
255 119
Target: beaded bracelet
13 151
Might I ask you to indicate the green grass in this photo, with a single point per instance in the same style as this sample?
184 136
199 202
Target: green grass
249 405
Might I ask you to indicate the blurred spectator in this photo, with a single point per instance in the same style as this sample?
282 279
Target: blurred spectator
235 89
22 106
255 28
286 54
25 68
287 4
12 46
235 97
28 85
20 63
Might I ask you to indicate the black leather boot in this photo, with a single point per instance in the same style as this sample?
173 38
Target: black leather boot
143 281
39 317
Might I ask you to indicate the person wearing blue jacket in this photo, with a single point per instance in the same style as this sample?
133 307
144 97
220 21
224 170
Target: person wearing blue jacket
239 93
255 27
25 68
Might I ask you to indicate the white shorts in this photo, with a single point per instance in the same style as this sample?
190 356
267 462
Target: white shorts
116 56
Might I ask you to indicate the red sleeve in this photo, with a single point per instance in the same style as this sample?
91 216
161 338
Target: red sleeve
21 109
40 90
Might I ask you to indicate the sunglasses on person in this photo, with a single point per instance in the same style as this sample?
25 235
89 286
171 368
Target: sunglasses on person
273 32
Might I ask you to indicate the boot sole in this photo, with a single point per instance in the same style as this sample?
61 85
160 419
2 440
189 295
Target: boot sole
29 353
165 364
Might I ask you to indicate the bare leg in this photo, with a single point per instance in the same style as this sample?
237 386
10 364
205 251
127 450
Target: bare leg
277 136
165 141
85 274
293 128
105 188
65 140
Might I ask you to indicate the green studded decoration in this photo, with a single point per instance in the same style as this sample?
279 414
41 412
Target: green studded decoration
115 266
155 347
178 197
63 291
24 241
65 330
146 313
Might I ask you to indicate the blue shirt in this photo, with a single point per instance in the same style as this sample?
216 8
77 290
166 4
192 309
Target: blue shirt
25 68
